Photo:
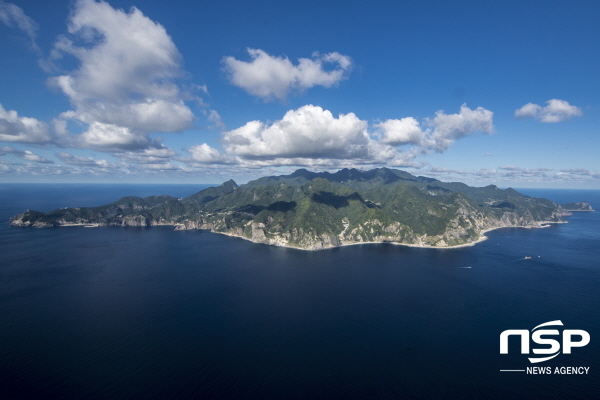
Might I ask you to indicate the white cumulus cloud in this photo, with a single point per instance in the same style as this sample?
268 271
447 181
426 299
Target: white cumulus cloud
125 84
442 130
309 131
82 161
205 154
313 136
398 132
24 154
22 129
157 154
449 127
270 77
555 111
109 137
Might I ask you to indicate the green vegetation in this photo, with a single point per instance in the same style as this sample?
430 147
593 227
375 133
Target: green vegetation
319 210
577 206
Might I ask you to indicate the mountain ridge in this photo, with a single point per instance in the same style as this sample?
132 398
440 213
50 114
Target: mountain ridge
319 210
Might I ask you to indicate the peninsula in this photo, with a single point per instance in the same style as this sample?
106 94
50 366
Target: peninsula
312 211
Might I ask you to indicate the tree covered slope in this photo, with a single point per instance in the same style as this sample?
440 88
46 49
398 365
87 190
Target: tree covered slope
311 210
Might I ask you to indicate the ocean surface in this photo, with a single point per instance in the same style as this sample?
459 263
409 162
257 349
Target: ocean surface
153 313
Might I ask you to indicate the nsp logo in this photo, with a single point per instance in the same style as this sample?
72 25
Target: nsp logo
570 338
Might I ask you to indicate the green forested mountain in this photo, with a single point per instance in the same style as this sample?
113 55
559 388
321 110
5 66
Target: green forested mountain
311 210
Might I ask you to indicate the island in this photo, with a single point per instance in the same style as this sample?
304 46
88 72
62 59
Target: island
320 210
577 206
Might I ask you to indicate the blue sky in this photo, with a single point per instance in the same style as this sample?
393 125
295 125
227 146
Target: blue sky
148 91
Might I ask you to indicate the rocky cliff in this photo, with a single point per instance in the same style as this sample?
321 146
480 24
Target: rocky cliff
320 210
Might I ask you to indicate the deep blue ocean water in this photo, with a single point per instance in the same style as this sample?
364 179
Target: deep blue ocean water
153 313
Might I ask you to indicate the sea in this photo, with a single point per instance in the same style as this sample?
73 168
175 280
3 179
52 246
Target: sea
154 313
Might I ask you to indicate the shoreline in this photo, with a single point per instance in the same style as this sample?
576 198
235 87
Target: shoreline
482 237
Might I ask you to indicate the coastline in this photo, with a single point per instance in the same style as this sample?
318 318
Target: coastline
482 237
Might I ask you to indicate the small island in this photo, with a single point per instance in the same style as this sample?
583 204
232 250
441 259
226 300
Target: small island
577 206
313 211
